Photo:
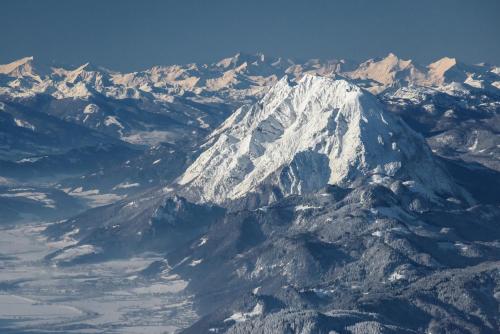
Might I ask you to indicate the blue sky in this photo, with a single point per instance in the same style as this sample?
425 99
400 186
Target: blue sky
132 35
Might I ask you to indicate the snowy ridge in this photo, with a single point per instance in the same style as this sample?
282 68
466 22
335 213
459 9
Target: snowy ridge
236 78
301 137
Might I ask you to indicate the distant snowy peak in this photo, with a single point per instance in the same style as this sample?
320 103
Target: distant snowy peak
240 58
302 136
20 68
16 65
440 67
385 70
81 73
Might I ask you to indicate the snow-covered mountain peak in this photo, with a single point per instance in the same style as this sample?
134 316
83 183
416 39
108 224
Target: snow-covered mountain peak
443 64
302 136
440 69
7 68
240 58
82 72
384 71
20 68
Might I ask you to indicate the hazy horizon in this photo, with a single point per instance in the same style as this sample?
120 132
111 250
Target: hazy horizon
127 36
298 60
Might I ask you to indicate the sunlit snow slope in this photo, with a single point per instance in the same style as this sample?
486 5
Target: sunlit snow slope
303 136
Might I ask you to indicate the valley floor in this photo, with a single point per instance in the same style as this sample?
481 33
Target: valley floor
108 297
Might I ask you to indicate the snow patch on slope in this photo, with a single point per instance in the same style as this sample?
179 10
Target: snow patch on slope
244 316
76 252
23 124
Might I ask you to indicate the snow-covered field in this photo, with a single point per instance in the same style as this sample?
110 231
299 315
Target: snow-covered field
109 297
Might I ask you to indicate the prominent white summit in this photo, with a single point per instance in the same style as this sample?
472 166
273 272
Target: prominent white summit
300 137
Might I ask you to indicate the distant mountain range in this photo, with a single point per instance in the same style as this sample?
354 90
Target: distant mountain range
238 77
294 197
